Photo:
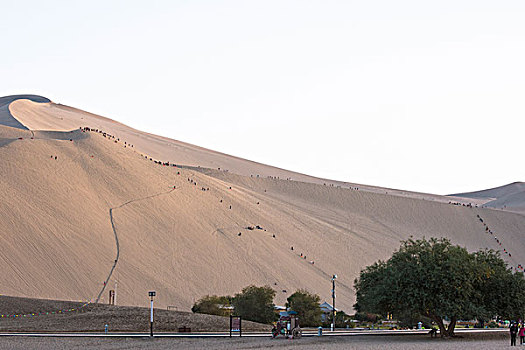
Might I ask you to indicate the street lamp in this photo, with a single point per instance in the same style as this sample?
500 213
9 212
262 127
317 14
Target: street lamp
151 295
334 277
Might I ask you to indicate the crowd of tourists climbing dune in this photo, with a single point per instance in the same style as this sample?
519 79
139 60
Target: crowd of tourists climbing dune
503 249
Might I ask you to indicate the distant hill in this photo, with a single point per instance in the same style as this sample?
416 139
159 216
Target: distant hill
511 196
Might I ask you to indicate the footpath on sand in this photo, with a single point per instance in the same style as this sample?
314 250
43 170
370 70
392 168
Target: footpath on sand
116 235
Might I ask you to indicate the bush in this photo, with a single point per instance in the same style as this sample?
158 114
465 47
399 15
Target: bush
341 320
366 317
212 305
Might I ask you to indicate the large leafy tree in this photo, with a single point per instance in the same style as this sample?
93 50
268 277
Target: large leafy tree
255 304
438 280
307 307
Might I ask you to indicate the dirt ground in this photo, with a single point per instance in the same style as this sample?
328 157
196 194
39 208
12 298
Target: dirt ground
93 317
351 342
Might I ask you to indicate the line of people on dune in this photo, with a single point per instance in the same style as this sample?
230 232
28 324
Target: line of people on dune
468 205
505 251
193 182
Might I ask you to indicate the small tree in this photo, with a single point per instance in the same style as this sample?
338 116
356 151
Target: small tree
307 307
439 280
255 304
212 305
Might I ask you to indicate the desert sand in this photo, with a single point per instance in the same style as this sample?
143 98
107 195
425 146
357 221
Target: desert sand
508 197
185 231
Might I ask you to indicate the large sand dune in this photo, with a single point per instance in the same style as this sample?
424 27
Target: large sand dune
184 231
510 197
39 114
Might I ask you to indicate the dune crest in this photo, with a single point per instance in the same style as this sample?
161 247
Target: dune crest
508 197
6 118
57 117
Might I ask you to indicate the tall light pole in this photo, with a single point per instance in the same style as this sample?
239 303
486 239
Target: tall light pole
334 277
151 294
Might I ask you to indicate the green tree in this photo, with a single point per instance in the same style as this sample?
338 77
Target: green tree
499 292
255 304
438 280
212 305
307 307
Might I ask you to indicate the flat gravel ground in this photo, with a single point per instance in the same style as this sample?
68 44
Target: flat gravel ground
349 342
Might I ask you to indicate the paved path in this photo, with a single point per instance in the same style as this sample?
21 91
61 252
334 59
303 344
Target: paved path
307 333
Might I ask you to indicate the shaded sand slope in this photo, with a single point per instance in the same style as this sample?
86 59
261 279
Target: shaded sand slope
511 196
57 241
6 118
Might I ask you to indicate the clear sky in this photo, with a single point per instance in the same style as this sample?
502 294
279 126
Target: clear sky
417 95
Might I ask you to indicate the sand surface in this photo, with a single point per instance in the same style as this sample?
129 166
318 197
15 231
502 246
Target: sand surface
508 197
185 232
6 118
356 342
38 113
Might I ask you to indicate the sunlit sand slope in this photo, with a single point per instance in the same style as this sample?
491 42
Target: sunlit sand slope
50 116
187 232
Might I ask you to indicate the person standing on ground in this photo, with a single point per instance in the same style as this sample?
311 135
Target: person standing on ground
522 333
513 332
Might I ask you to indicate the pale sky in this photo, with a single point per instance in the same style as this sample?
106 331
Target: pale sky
417 95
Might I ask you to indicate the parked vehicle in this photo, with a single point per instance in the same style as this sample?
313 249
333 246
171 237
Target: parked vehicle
288 325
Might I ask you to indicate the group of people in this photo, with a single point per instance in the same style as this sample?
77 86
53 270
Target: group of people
193 182
126 144
515 330
468 205
519 267
104 134
304 257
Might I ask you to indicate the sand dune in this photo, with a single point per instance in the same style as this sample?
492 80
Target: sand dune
36 115
6 118
509 197
189 231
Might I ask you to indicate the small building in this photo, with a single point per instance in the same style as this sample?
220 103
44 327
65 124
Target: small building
278 309
327 309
